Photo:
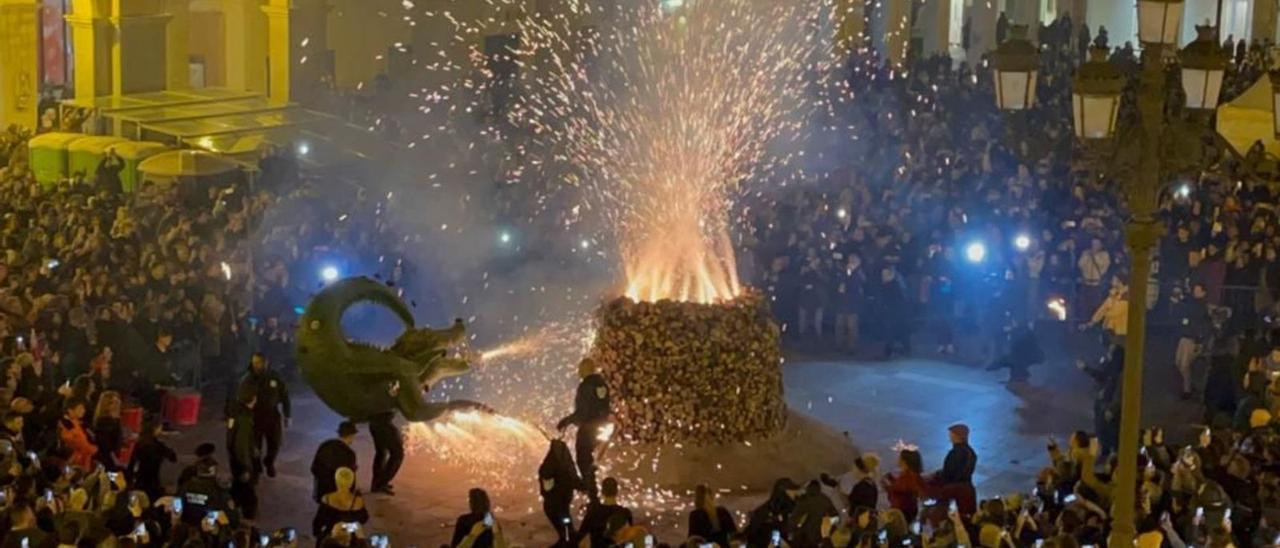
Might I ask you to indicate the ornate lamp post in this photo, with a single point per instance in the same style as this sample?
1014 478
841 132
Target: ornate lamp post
1203 65
1095 97
1017 64
1158 21
1275 101
1095 103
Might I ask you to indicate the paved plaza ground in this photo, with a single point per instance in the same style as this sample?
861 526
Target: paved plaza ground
876 402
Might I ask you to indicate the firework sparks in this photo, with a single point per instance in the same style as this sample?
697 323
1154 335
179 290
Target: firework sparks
519 348
662 119
485 445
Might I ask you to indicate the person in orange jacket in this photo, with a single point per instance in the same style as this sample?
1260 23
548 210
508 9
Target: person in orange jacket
74 437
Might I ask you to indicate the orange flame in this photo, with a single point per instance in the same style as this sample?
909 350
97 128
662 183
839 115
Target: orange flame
679 261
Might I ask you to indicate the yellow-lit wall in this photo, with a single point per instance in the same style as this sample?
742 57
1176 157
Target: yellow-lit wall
360 31
18 64
206 40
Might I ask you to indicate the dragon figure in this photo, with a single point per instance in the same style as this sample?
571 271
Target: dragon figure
360 381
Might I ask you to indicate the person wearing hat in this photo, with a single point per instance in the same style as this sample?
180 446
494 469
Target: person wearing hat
955 481
204 456
202 494
330 456
591 404
864 493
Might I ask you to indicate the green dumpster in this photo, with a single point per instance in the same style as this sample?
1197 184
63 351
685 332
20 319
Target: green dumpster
133 153
48 156
85 154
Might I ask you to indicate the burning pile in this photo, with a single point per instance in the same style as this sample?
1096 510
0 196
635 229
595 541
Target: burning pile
683 372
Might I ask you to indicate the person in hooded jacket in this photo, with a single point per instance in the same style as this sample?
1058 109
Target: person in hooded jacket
557 481
709 520
810 520
148 457
773 514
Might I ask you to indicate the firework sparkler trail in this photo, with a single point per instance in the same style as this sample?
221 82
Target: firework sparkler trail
662 118
486 446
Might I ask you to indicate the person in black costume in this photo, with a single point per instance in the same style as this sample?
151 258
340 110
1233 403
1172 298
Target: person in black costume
272 412
330 456
590 415
388 452
557 481
148 456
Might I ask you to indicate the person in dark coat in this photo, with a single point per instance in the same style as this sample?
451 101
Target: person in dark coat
892 303
388 452
154 371
1221 391
242 449
773 514
811 510
332 455
107 175
1024 352
864 494
108 432
1193 325
149 455
201 493
604 517
557 481
1106 397
590 414
272 411
955 481
710 521
204 455
480 511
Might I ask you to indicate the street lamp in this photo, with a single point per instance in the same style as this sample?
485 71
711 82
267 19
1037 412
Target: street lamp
1095 97
1095 101
1203 63
1016 63
1158 21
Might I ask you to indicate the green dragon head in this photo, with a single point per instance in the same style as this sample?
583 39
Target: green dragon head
358 380
431 347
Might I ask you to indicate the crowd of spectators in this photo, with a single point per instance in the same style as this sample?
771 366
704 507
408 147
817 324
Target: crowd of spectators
107 300
110 300
949 214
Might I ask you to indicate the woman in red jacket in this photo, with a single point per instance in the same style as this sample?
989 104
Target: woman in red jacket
75 439
905 488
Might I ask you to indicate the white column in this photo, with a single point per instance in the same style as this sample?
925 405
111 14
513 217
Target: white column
982 18
1120 18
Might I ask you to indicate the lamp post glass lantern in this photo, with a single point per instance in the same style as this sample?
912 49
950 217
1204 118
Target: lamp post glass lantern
1159 20
1203 64
1275 101
1095 97
1016 63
